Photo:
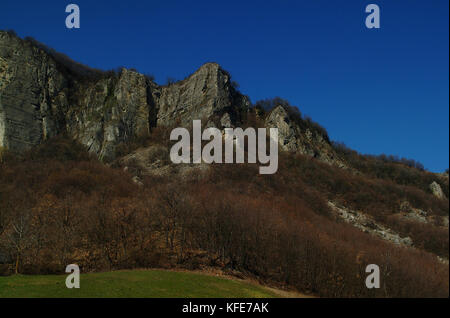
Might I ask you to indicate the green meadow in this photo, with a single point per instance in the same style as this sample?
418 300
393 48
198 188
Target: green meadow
137 283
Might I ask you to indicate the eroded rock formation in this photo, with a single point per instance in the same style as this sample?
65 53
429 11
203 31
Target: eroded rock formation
40 98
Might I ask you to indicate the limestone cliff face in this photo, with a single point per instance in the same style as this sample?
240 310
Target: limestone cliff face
38 101
117 109
41 97
207 94
33 94
110 111
297 138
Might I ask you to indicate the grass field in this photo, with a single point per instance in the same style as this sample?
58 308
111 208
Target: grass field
139 283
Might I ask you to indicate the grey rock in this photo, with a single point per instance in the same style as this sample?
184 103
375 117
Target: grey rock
33 94
225 121
205 94
437 190
38 101
367 224
111 111
288 133
307 141
153 161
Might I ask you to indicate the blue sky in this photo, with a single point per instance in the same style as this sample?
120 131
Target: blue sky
378 90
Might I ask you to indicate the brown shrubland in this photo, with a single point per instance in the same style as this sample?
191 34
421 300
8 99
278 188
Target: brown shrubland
70 208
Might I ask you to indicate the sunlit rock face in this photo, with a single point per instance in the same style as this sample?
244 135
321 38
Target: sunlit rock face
206 94
33 94
42 96
110 111
297 137
39 99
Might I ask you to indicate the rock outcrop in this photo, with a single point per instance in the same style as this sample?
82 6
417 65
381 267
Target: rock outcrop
437 190
110 111
38 101
33 94
41 97
368 225
154 161
294 135
207 94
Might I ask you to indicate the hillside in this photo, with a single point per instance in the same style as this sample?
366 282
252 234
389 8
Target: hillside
86 178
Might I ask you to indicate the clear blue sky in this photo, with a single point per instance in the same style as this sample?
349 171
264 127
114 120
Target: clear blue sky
379 91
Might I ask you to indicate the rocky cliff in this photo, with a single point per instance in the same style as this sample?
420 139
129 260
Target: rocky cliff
207 94
40 98
33 94
306 140
109 111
